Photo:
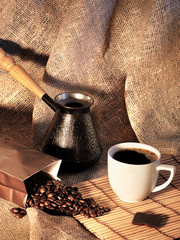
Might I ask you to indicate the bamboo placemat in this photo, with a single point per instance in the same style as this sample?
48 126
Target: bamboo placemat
117 224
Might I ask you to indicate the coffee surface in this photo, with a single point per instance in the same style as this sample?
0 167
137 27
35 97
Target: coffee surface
74 104
135 156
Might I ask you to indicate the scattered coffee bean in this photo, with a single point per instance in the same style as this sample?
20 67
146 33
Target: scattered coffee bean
52 197
18 212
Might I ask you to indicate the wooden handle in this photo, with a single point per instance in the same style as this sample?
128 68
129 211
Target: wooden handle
19 74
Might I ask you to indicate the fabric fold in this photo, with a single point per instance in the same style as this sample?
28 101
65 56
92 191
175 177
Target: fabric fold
44 226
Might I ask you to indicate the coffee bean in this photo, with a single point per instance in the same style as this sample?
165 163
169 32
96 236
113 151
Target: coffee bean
92 213
42 189
18 215
14 210
58 202
37 198
99 213
68 212
43 198
18 212
86 209
64 205
30 202
62 210
54 205
23 211
80 208
71 208
52 208
93 204
71 198
75 212
42 205
47 203
86 215
81 201
56 182
49 195
68 203
107 209
51 199
82 212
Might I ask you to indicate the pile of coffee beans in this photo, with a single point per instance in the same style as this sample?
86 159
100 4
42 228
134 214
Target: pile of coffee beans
52 197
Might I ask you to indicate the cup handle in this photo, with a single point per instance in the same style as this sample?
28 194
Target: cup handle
172 170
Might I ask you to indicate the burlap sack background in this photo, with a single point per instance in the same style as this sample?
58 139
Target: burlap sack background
125 54
28 31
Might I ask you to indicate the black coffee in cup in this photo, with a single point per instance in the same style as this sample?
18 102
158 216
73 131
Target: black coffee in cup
135 156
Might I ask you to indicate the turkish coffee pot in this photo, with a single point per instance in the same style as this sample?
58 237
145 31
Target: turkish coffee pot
71 135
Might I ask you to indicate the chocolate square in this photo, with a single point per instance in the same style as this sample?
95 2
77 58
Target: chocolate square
150 220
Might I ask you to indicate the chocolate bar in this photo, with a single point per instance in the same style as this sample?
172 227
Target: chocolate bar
150 220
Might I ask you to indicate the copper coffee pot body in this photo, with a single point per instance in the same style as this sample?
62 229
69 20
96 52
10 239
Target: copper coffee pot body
71 135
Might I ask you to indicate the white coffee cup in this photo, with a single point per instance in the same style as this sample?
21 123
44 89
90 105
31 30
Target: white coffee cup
131 182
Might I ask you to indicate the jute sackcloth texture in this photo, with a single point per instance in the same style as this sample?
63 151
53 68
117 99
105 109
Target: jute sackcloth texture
153 85
27 33
125 54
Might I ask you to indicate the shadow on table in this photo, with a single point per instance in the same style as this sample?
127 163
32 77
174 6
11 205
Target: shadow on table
164 218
